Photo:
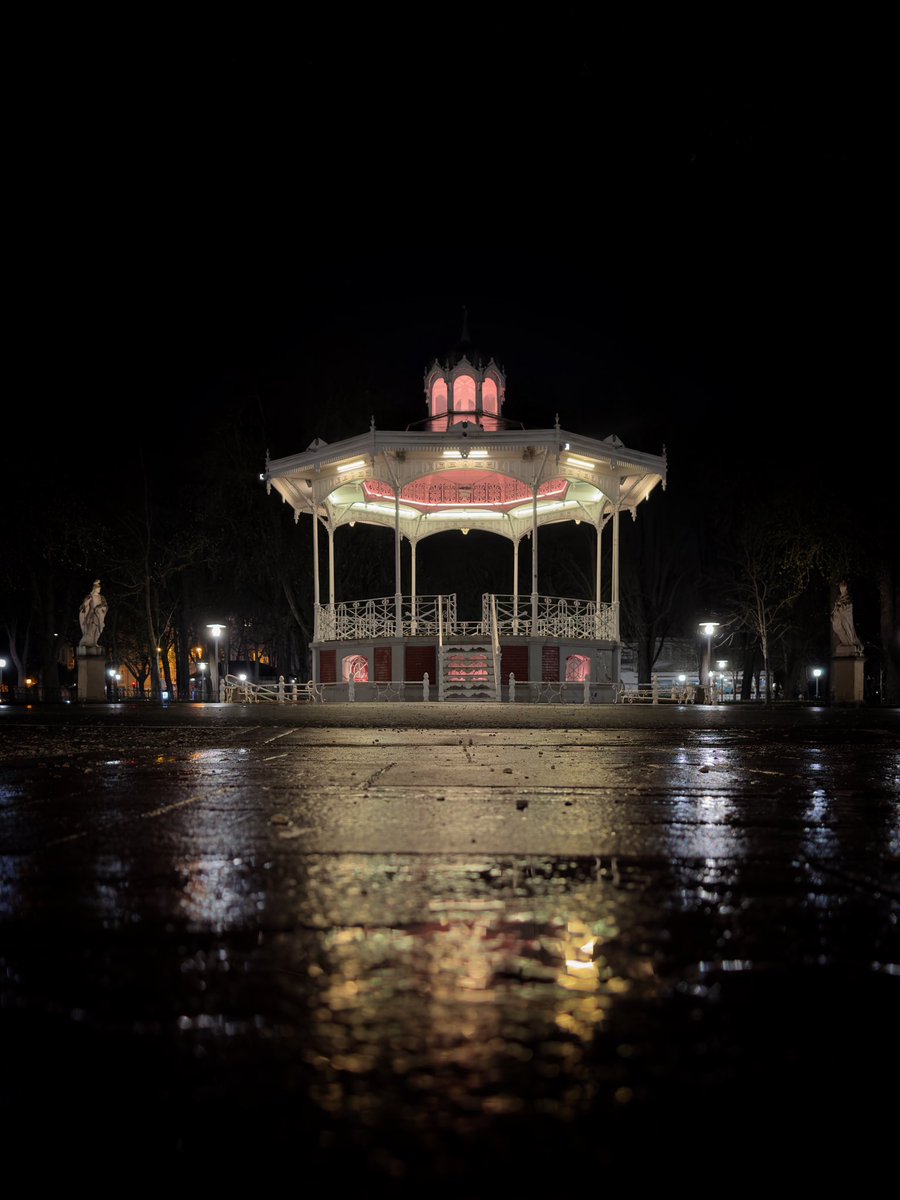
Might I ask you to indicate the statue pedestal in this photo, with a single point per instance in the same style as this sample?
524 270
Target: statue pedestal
847 679
91 673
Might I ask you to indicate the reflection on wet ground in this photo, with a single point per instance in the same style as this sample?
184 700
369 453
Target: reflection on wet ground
713 991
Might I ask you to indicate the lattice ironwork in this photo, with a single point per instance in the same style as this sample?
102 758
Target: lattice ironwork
557 617
433 490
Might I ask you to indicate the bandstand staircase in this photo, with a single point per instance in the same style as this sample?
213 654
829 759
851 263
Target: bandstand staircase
467 673
470 670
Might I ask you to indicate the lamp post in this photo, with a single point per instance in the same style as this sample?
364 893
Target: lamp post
201 667
112 675
722 664
216 631
708 628
817 673
2 665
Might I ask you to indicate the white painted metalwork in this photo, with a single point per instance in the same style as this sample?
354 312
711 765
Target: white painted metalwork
435 616
557 617
245 691
495 645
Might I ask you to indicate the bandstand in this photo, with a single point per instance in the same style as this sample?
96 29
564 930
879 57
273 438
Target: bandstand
466 466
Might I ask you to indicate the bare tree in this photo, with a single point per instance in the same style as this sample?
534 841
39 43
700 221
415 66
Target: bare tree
773 560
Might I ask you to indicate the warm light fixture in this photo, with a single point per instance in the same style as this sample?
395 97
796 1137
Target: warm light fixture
464 532
470 454
384 508
354 466
466 514
581 462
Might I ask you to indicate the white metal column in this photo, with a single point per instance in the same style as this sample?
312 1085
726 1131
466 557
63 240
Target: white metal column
516 586
598 592
315 533
534 562
398 591
331 564
615 571
412 581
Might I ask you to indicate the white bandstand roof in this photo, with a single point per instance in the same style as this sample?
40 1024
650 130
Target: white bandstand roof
466 477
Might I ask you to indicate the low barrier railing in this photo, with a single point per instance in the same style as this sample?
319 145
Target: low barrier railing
244 691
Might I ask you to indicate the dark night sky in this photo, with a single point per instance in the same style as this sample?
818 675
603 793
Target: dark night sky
680 255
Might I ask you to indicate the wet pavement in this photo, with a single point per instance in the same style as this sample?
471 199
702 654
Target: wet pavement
460 947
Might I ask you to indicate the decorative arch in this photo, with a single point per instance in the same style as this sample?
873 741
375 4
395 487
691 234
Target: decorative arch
465 394
578 668
355 667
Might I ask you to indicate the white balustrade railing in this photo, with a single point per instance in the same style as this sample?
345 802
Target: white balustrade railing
557 617
365 620
435 616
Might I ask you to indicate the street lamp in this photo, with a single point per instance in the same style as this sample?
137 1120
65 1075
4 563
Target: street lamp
216 631
2 665
817 672
201 667
709 628
112 675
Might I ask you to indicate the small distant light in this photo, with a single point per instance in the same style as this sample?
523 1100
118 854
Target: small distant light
566 446
682 678
242 678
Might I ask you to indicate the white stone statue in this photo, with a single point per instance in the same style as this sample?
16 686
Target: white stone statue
842 623
92 616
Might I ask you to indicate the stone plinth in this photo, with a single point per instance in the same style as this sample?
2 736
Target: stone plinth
91 673
847 678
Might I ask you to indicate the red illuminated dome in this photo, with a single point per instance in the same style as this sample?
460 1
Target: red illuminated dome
465 388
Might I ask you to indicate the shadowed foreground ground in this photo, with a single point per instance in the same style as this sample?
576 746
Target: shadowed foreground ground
459 948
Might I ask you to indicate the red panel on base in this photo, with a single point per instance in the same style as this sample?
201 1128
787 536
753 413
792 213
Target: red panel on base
514 660
420 659
382 664
550 664
327 666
